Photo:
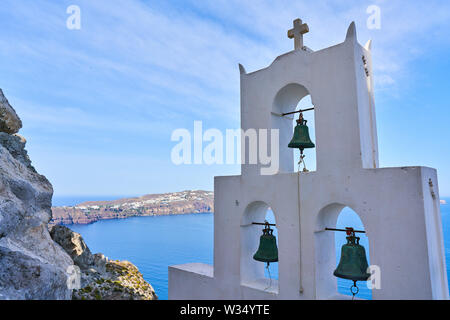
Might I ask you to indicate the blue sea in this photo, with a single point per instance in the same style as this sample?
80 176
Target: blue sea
154 243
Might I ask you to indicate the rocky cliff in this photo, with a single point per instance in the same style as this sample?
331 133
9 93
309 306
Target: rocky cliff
184 202
32 264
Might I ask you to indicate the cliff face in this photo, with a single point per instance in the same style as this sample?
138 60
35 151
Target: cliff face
149 205
98 277
32 265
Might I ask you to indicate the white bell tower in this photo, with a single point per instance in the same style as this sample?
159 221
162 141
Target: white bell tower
399 207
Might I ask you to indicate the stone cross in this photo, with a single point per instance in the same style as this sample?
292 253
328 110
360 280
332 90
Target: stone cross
297 33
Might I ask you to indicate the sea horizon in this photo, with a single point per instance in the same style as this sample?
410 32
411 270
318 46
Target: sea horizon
70 201
73 200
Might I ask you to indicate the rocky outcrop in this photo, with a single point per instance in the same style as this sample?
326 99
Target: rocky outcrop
101 279
32 265
15 144
185 202
9 120
35 265
74 245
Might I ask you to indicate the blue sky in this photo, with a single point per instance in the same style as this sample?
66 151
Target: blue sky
99 104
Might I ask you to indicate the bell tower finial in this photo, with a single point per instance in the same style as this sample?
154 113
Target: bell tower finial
297 33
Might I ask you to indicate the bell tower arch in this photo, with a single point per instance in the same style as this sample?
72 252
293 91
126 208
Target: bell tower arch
339 82
326 253
286 101
252 272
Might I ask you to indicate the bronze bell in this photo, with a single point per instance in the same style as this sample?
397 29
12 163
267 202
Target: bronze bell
301 139
267 251
353 264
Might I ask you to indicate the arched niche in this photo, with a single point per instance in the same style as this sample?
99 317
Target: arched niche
252 272
349 218
327 251
291 97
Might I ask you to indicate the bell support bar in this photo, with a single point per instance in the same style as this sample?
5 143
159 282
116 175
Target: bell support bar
293 112
298 111
264 224
347 230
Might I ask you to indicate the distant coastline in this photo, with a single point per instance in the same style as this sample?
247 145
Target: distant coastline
175 203
185 202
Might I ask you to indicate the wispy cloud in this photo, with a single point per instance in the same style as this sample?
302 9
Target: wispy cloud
192 55
140 68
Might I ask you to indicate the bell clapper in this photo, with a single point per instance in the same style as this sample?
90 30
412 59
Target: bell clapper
302 161
354 290
270 276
